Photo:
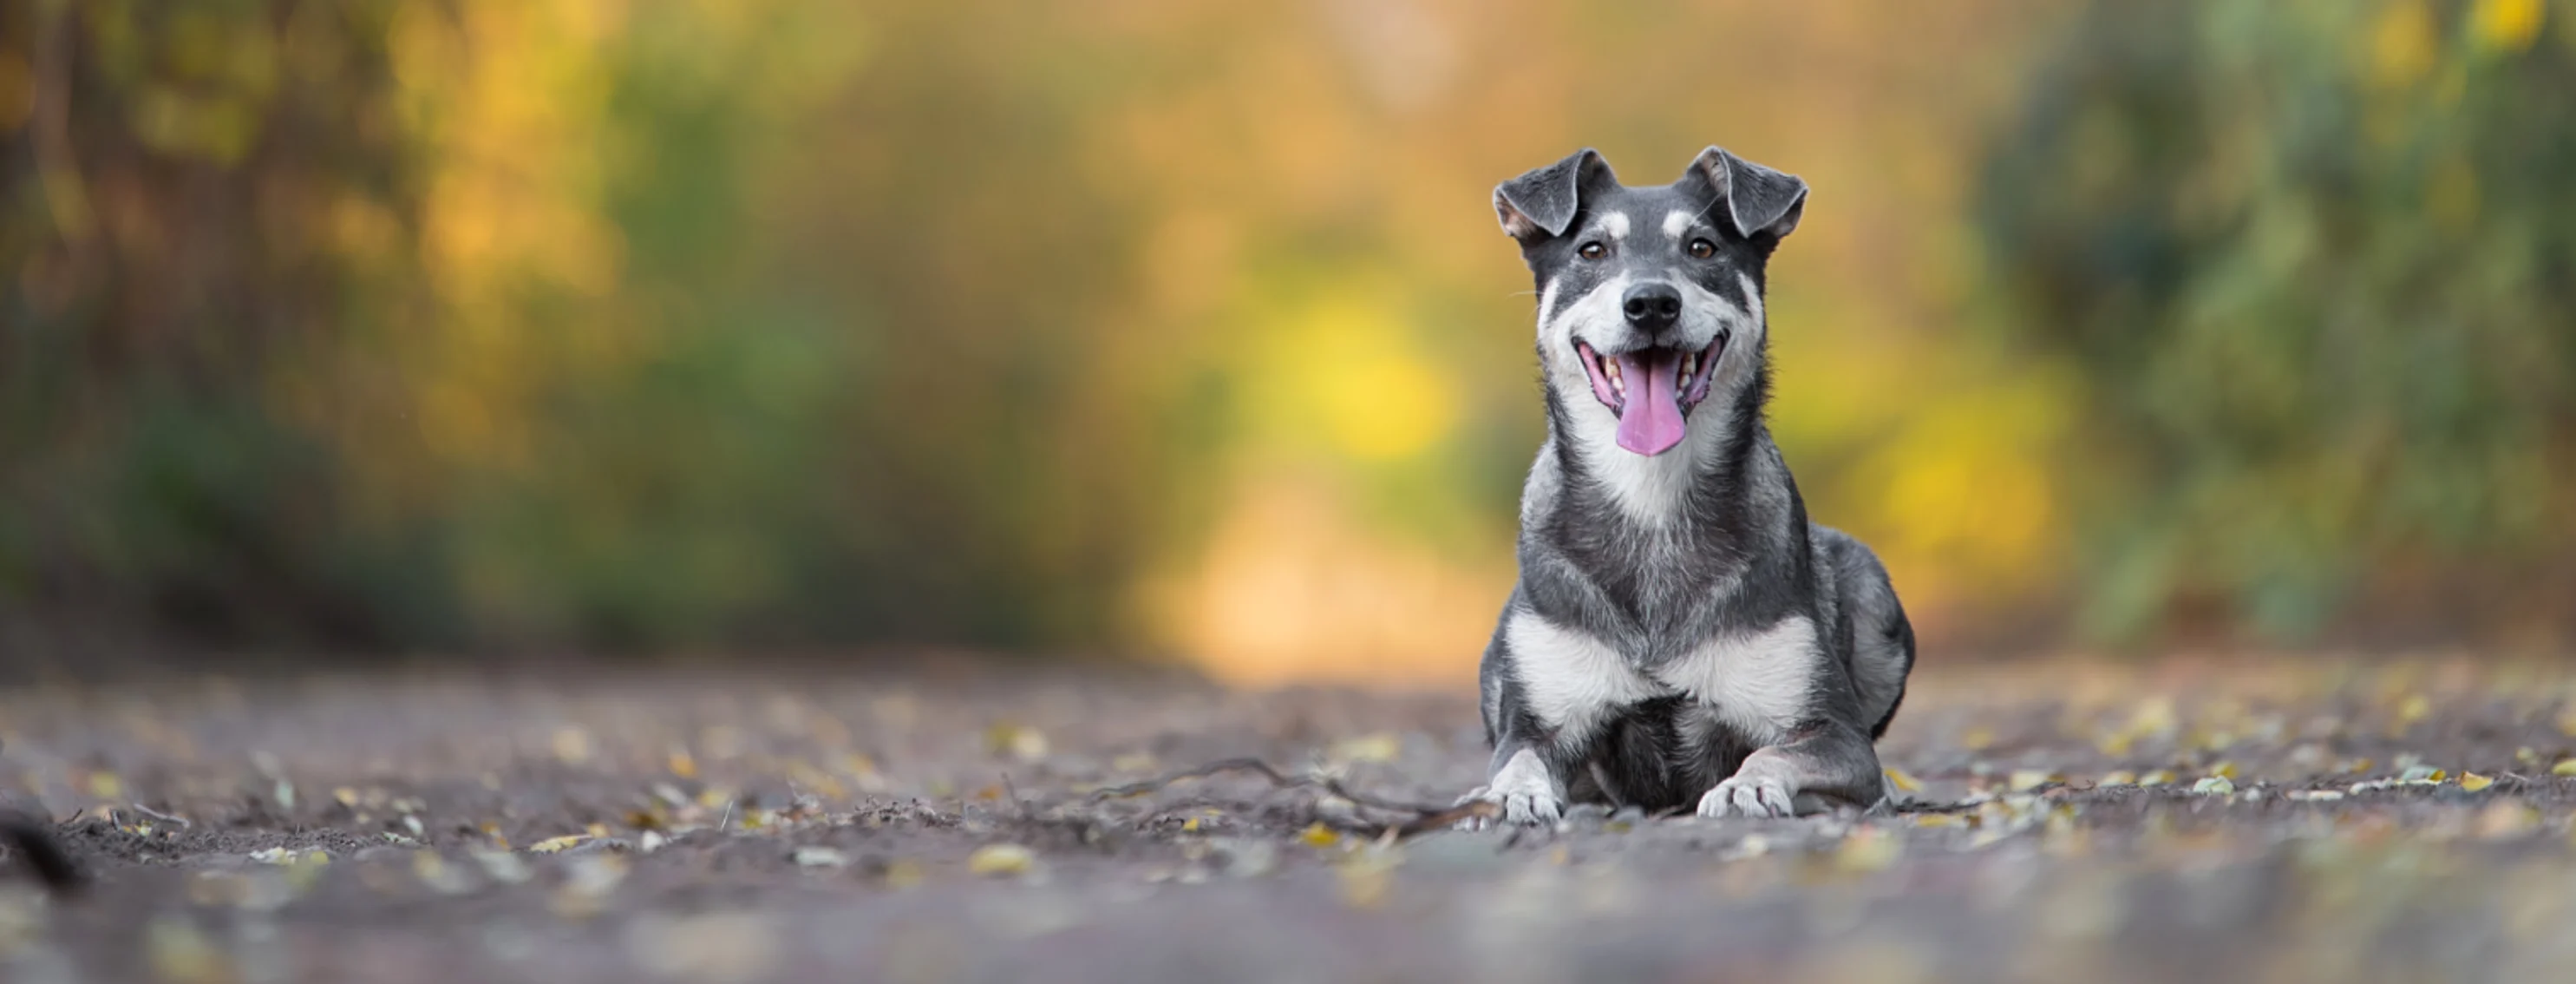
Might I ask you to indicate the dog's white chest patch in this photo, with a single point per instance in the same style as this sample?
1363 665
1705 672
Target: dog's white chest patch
1755 682
1570 679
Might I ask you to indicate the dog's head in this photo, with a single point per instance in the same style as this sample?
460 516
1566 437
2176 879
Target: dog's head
1649 297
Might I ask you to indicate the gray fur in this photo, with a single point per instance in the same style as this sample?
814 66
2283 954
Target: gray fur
1701 594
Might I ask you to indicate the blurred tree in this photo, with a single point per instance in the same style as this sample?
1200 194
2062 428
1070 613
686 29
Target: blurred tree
198 201
2318 261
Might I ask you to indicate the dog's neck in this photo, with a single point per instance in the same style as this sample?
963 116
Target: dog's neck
1680 495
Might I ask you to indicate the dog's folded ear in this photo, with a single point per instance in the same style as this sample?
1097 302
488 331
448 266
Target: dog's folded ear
1759 199
1543 202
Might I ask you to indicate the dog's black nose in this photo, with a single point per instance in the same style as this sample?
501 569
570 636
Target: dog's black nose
1652 307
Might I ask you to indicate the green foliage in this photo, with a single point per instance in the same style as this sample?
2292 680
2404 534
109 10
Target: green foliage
2315 260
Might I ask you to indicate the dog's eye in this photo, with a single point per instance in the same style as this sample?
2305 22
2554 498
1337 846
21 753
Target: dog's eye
1592 251
1701 249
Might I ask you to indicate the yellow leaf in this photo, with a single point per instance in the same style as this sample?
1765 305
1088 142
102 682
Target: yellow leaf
1977 737
1940 820
2473 782
106 786
2565 767
1903 781
2121 777
1319 836
902 874
2223 769
1018 741
1380 747
1001 859
2156 778
552 845
2025 780
1133 762
1868 849
684 765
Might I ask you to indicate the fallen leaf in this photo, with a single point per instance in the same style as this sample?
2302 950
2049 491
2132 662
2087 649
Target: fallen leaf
2565 767
1902 780
901 874
1001 859
2420 773
2473 782
682 764
1133 762
1380 747
2214 786
2025 780
2415 708
2507 818
1868 849
552 845
1316 835
572 745
820 857
1976 737
179 952
1021 742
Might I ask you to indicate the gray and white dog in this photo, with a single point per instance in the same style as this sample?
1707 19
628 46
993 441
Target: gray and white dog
1681 634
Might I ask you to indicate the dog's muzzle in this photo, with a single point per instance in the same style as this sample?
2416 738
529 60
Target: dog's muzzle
1651 390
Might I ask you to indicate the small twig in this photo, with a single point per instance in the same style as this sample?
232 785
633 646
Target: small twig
1425 818
728 818
163 817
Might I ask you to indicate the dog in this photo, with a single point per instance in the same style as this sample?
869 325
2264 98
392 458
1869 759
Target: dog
1681 636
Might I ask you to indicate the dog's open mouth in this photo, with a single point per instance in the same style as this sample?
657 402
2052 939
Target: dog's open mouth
1651 390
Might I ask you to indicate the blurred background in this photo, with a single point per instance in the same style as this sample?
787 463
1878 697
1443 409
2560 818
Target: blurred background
372 329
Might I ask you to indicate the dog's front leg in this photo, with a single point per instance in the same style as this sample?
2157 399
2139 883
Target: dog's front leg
1818 768
1526 785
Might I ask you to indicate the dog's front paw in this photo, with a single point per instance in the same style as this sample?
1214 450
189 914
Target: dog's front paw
1523 793
1750 796
1526 808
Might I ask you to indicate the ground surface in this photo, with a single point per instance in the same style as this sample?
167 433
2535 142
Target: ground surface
750 826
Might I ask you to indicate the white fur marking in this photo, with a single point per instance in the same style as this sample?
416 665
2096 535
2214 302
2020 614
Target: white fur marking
1525 791
1571 680
1616 224
1756 682
1649 490
1676 223
1522 775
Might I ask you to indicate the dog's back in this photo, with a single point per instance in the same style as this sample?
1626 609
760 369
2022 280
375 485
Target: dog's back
1880 647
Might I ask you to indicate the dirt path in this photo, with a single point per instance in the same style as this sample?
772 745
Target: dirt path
748 828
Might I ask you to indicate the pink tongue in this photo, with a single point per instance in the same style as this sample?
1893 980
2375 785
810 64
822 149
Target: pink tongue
1651 423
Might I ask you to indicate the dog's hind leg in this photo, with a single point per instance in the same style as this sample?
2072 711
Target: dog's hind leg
1882 640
